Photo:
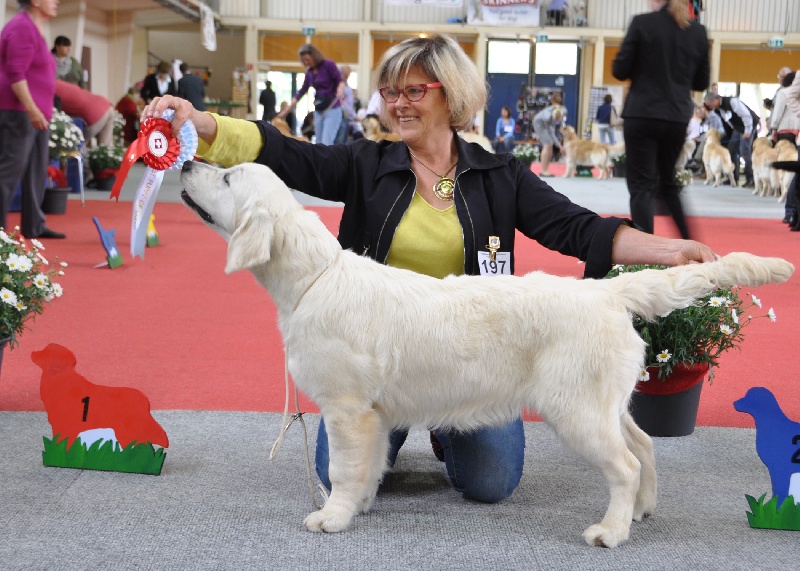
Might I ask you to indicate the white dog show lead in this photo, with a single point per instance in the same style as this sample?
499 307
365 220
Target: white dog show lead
285 424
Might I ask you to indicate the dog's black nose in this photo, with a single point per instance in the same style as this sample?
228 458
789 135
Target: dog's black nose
187 166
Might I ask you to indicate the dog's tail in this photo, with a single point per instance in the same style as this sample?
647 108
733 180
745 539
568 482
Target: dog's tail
651 293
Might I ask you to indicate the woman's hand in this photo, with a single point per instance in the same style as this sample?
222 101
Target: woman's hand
204 123
632 246
38 119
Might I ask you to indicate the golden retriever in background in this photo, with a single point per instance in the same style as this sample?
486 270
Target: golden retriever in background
685 155
766 178
363 340
373 131
579 151
482 140
717 160
786 152
282 126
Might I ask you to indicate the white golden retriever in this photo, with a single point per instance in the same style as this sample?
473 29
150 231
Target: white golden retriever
378 347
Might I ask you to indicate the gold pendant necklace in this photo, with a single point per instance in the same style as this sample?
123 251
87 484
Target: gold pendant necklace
444 187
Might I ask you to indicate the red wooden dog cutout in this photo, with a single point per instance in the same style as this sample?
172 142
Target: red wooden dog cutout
75 405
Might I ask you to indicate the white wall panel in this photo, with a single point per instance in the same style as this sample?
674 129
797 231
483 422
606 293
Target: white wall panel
770 16
415 14
240 8
613 14
314 10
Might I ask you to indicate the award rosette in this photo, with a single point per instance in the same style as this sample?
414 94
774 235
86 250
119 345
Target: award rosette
161 150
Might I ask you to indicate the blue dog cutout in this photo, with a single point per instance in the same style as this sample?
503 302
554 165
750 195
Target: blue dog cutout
107 237
778 446
777 441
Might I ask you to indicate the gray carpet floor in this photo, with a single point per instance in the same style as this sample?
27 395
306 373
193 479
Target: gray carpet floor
221 504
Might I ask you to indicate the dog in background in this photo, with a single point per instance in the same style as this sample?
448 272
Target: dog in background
786 152
482 140
767 179
282 126
685 155
363 340
579 151
373 131
717 159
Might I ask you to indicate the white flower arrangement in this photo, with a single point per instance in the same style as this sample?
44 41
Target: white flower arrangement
526 153
65 136
27 283
697 334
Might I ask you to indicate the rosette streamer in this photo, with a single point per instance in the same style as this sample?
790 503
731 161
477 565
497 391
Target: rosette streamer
160 150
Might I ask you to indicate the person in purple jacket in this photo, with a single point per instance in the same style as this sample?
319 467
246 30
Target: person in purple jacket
27 88
323 75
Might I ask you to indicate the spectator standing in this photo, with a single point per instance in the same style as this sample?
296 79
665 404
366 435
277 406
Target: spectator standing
555 12
192 88
785 123
67 67
267 101
126 106
743 122
607 119
659 103
544 126
158 83
27 90
323 75
504 131
348 108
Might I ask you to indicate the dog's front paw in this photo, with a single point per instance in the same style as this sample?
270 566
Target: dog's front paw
603 536
328 520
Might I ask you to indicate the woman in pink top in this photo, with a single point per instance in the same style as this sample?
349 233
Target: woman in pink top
27 87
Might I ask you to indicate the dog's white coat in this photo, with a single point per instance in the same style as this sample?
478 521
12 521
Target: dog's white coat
378 347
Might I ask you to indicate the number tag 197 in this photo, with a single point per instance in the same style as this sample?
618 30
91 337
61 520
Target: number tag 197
500 266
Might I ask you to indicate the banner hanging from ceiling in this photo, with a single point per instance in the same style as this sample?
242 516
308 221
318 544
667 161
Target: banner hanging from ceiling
503 12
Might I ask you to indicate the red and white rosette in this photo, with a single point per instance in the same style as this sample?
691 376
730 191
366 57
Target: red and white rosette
160 150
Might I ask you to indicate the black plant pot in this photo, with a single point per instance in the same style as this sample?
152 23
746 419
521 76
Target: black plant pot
55 200
667 415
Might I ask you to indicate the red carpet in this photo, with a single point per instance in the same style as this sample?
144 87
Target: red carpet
176 327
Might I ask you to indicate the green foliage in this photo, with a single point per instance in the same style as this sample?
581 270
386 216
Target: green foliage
526 153
105 157
696 334
104 455
770 516
65 136
26 283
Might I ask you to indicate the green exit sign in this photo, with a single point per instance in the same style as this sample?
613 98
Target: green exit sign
542 38
309 31
776 42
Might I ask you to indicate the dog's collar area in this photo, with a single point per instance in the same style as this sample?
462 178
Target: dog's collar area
302 295
194 206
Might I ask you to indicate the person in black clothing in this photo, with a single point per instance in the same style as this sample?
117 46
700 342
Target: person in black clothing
191 87
267 99
158 84
659 103
742 122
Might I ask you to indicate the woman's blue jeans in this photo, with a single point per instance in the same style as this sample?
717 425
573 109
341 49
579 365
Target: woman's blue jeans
485 464
326 125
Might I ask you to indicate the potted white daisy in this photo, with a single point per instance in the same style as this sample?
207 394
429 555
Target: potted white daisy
682 349
27 284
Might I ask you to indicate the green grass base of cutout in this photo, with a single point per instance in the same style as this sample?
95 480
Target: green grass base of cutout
104 455
771 516
114 261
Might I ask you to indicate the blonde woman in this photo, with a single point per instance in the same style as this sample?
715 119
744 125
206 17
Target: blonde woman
432 203
544 126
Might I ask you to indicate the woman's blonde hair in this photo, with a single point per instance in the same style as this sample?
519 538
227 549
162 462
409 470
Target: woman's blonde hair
442 59
679 11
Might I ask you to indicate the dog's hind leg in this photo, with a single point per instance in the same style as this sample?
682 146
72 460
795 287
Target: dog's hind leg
353 442
600 441
642 447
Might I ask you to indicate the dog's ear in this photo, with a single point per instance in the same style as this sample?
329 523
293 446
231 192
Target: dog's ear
250 243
